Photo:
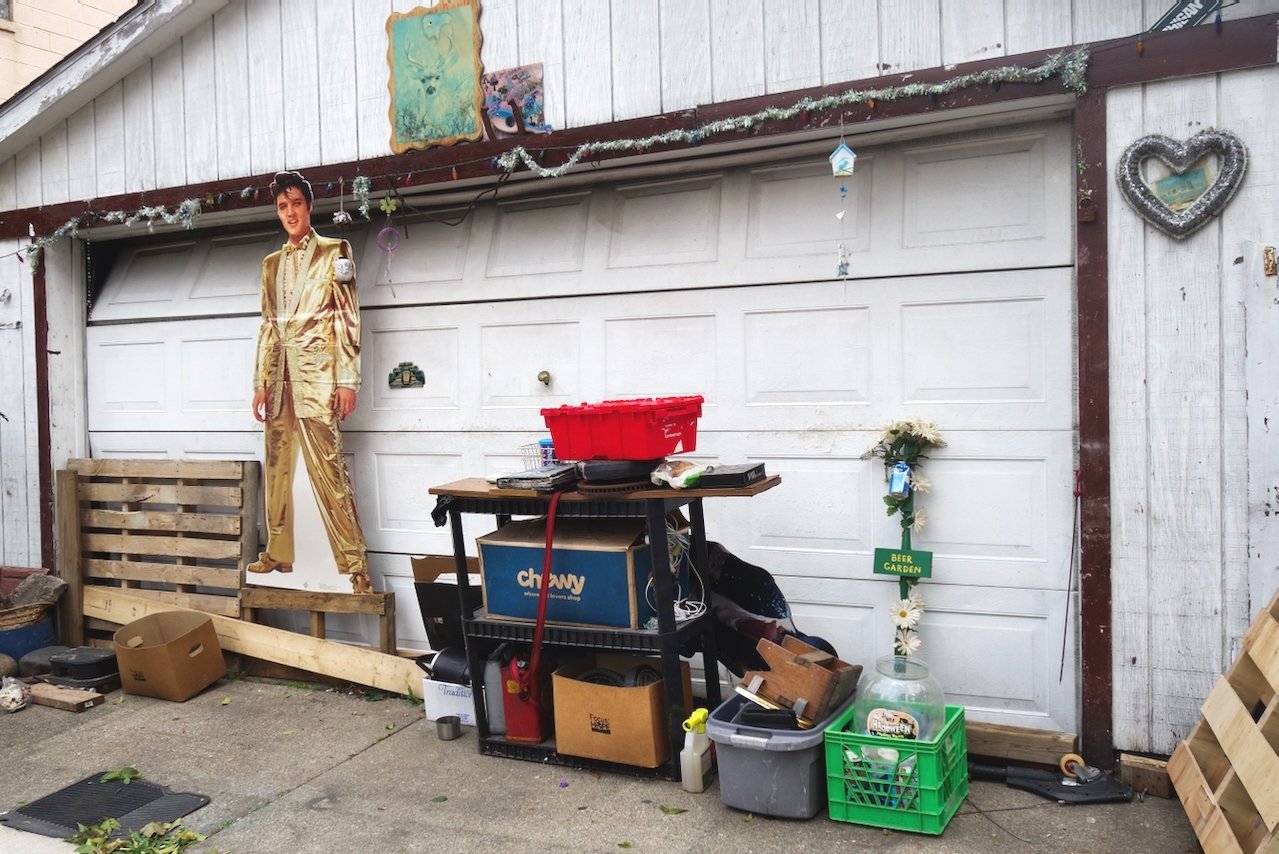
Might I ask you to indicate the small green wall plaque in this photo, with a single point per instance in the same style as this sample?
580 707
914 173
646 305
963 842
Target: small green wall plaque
903 563
406 375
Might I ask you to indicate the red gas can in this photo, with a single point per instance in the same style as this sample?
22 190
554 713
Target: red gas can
526 700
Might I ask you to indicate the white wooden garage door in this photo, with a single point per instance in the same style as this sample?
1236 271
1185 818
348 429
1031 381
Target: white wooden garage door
959 309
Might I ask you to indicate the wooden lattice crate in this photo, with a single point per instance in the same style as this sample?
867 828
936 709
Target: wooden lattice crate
179 531
1227 772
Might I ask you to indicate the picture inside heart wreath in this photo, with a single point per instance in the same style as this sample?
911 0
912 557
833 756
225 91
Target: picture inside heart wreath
1187 191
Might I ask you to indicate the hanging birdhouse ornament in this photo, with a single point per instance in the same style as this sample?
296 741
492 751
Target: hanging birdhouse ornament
842 160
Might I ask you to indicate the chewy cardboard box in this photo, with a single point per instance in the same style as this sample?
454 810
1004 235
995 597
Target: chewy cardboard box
448 698
173 655
599 570
626 725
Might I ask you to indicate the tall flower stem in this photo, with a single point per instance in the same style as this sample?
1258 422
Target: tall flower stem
908 517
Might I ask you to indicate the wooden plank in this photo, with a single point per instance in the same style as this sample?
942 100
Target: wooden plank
1033 25
162 573
30 187
53 165
910 37
15 531
317 624
8 187
355 664
169 469
249 516
1261 645
1206 820
230 59
141 493
316 600
170 117
339 118
373 124
588 75
972 29
66 699
268 98
81 155
1096 20
300 98
151 520
686 54
1184 439
1130 496
67 516
108 118
1042 747
737 56
139 131
636 78
541 37
386 626
1251 756
132 544
1146 775
792 45
226 606
501 47
850 41
197 70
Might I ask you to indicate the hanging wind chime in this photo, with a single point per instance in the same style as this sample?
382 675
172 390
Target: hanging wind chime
842 160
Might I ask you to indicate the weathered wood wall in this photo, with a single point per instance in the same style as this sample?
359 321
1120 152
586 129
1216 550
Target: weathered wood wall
1179 450
221 102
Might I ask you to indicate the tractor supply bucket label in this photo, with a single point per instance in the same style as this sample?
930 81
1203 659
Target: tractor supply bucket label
891 723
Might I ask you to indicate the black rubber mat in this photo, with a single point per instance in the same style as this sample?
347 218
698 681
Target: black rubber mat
89 801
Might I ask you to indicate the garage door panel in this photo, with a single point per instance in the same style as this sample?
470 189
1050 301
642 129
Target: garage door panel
964 630
793 210
213 374
547 235
435 350
132 378
987 516
983 351
513 354
666 222
660 355
828 360
420 262
223 278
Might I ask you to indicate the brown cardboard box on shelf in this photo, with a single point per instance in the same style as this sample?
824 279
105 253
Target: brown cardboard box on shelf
625 725
173 655
800 677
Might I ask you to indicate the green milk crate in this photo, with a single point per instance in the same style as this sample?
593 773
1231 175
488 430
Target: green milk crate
897 783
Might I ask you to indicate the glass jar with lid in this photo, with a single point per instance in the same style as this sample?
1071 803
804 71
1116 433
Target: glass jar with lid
900 700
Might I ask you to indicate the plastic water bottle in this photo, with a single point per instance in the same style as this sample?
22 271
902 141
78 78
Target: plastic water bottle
493 695
697 759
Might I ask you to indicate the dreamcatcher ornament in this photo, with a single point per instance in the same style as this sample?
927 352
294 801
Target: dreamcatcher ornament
388 239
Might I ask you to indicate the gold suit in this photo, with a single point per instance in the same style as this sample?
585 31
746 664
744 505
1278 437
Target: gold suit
308 344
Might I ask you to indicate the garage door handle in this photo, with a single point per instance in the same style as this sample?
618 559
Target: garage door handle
544 377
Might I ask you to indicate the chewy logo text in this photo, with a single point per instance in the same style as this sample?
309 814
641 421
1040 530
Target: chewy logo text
568 581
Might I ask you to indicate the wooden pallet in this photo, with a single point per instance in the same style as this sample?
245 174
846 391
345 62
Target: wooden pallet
319 603
178 531
1227 772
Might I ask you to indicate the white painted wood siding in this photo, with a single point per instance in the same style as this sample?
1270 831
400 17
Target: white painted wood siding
235 98
1179 465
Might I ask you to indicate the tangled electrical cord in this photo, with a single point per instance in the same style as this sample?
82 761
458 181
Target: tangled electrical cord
685 608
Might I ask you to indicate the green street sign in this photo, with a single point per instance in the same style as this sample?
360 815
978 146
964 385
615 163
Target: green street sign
1185 13
903 563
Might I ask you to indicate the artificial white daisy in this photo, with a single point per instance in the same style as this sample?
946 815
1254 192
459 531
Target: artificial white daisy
916 598
917 524
919 483
907 642
905 614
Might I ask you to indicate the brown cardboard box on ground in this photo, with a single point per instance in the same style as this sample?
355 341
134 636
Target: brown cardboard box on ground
173 655
626 725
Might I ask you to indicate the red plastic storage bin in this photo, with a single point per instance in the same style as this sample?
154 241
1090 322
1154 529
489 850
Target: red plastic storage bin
625 429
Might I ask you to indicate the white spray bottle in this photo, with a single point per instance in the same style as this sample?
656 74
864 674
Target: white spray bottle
697 759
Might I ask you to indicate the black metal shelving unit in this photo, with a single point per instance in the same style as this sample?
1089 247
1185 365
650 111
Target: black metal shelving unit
475 496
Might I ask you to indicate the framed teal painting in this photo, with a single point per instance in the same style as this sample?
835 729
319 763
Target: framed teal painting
434 55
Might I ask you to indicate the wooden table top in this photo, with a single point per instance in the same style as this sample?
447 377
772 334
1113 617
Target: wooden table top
478 487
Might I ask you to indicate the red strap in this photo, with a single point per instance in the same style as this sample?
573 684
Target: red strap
530 682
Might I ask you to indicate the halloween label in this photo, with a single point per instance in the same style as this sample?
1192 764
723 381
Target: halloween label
905 563
891 723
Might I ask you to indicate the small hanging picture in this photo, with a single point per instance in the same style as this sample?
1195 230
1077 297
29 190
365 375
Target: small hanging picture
406 375
842 160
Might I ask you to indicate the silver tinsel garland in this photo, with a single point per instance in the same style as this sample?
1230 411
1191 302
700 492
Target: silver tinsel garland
1072 68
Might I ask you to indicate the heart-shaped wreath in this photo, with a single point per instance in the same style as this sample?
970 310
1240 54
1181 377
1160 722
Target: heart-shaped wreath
1232 161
